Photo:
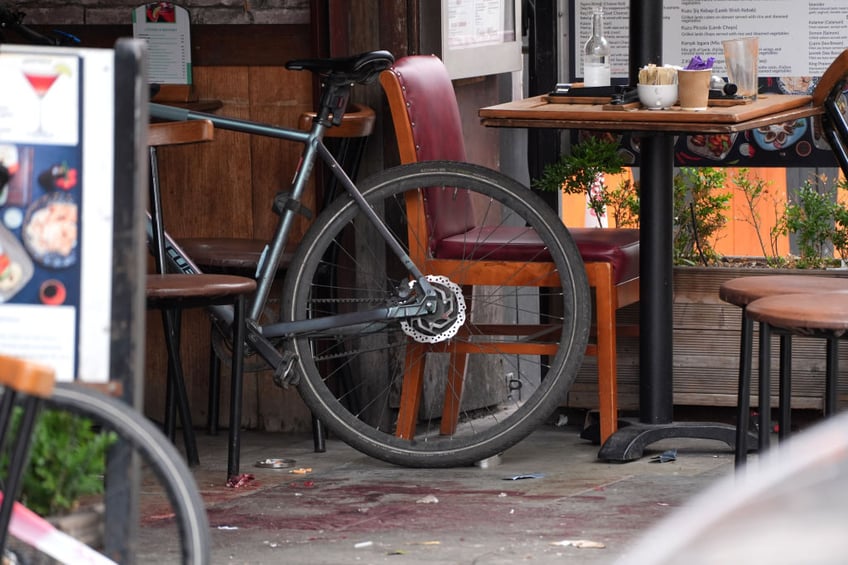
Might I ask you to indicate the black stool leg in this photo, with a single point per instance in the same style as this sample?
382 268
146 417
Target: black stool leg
785 395
236 388
320 446
177 380
832 376
214 391
743 401
765 387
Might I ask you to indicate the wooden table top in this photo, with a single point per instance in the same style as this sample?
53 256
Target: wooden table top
537 112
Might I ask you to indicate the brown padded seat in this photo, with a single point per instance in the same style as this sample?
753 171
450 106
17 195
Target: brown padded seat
186 288
619 247
226 253
744 290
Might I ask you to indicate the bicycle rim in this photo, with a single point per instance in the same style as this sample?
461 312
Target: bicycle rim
176 533
357 379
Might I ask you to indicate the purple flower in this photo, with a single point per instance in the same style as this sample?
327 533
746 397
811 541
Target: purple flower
698 64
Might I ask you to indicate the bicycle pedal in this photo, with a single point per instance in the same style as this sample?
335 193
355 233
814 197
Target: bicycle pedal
284 376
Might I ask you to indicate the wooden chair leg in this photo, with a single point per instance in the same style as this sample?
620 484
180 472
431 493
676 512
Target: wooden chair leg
453 393
605 307
412 389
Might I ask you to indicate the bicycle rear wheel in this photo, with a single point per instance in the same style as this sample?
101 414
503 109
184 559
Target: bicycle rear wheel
363 380
178 533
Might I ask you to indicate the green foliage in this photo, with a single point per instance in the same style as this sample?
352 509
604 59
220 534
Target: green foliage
700 207
818 222
67 462
575 173
623 204
701 203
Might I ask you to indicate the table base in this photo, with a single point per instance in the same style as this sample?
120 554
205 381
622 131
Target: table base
629 441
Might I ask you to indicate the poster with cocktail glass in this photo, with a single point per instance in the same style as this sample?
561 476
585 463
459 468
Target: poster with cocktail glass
56 178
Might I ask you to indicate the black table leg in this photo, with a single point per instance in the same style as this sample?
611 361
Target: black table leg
656 316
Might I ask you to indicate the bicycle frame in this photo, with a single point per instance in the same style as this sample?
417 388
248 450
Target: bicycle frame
314 149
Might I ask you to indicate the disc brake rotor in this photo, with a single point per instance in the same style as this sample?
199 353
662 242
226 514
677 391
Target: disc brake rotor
449 316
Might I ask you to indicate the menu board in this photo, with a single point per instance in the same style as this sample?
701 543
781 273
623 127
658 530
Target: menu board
480 37
166 29
56 196
798 39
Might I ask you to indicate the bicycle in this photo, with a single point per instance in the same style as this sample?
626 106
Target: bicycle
131 436
353 299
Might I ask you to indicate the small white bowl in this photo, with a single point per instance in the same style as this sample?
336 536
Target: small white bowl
657 96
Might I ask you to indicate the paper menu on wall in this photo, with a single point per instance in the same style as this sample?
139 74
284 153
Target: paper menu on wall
166 29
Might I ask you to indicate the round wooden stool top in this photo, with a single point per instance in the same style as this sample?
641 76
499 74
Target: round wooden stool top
803 313
744 290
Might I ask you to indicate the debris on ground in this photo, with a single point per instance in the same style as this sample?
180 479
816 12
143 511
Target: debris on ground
579 543
429 499
301 471
237 481
665 456
524 476
363 544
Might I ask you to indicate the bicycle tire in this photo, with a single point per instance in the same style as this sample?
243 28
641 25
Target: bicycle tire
362 411
158 457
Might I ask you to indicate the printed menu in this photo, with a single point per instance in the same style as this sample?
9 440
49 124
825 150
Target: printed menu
56 178
797 37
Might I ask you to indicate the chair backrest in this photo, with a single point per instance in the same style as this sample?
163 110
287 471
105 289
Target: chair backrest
428 127
830 93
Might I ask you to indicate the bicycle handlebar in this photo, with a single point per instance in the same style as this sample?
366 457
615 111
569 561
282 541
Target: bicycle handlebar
13 20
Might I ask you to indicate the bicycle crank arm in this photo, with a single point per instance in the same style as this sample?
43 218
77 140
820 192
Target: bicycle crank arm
281 361
330 324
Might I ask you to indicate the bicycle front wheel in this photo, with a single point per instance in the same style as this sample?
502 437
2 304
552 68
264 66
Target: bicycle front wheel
176 533
495 358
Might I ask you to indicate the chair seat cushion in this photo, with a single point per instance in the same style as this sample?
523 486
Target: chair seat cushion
619 246
227 253
503 243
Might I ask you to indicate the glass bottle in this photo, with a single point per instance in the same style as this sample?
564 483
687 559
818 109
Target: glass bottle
596 53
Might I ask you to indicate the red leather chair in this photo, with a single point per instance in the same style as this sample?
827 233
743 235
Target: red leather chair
428 127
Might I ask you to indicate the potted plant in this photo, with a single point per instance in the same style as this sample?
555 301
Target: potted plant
706 330
66 467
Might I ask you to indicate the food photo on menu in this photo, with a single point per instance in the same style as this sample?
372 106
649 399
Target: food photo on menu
39 224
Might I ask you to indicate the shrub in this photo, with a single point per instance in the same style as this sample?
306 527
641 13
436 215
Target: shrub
67 462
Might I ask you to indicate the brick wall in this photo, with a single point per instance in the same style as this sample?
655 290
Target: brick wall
70 12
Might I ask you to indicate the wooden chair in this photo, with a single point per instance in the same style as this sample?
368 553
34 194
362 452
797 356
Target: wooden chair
744 291
26 384
171 293
428 127
242 255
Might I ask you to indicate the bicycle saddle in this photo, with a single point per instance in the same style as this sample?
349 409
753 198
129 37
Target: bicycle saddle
362 68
